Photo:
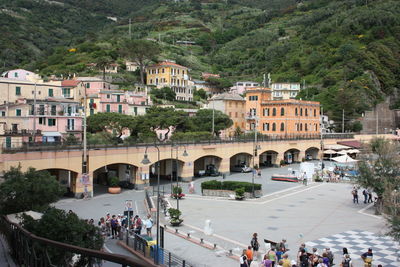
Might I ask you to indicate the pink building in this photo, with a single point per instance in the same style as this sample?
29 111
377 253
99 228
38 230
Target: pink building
113 101
54 120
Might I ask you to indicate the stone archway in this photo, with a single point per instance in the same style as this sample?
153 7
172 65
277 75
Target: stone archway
312 153
240 159
269 158
66 178
201 164
292 156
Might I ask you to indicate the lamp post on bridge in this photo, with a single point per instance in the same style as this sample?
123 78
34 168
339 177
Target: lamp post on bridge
185 154
147 161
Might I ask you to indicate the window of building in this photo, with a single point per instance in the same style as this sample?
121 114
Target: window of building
252 126
71 124
151 81
42 121
16 74
183 72
53 110
88 85
66 92
135 110
305 127
236 114
108 108
266 126
118 98
51 92
316 127
273 127
282 112
18 112
274 112
108 96
51 122
162 70
18 90
301 127
282 127
301 112
315 113
306 112
119 108
3 113
69 110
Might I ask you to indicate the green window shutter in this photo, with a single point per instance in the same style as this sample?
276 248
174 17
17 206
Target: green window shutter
118 98
51 92
8 141
18 112
108 109
18 90
120 108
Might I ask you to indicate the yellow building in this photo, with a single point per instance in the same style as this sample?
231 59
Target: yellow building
232 105
170 74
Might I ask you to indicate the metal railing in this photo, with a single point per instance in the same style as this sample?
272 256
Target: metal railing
28 249
165 257
25 146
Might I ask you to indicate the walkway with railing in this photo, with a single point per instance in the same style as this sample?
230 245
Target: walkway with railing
26 147
28 249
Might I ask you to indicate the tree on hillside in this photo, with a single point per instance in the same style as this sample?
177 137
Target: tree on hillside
141 52
26 191
199 94
380 171
202 121
165 93
109 121
219 83
102 63
58 225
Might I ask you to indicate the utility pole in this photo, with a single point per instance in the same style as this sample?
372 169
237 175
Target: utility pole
84 162
343 121
322 142
254 151
34 114
213 120
377 122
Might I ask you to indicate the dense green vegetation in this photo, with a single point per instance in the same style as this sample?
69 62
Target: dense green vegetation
230 185
346 51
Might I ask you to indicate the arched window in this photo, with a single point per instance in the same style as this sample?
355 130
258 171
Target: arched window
274 112
282 112
316 127
305 127
296 112
301 127
306 111
301 112
315 113
273 127
282 127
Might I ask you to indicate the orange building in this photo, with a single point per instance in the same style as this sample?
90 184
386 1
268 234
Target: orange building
281 117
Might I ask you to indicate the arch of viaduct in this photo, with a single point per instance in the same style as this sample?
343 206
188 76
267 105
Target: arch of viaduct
71 160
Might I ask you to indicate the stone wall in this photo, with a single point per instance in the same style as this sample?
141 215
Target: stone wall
386 119
227 193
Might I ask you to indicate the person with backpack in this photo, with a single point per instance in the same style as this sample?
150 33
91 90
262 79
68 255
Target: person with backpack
255 245
243 259
330 256
346 262
272 256
303 258
138 225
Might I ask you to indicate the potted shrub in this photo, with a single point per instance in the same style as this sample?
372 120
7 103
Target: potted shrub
174 215
239 193
282 162
113 188
177 192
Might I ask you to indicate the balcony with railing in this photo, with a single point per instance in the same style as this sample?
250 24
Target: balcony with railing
21 132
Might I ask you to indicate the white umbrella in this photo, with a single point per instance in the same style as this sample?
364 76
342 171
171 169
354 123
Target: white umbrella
344 159
330 151
353 151
343 152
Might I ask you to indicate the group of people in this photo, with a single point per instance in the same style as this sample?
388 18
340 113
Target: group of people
367 193
113 226
277 256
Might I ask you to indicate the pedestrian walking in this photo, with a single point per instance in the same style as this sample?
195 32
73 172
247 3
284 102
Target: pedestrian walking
249 254
255 245
369 196
138 224
149 225
365 194
267 262
272 256
355 195
243 259
346 262
367 258
303 258
114 227
286 260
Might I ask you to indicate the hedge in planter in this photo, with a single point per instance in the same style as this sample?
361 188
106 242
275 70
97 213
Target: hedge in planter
229 185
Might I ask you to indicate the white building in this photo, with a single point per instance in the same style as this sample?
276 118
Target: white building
240 87
285 90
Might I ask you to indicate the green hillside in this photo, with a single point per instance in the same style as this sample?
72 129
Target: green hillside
346 51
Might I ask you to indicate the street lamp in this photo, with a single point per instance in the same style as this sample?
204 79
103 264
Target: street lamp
147 161
185 154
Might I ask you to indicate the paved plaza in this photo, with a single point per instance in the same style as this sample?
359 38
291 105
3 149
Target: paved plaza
319 215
